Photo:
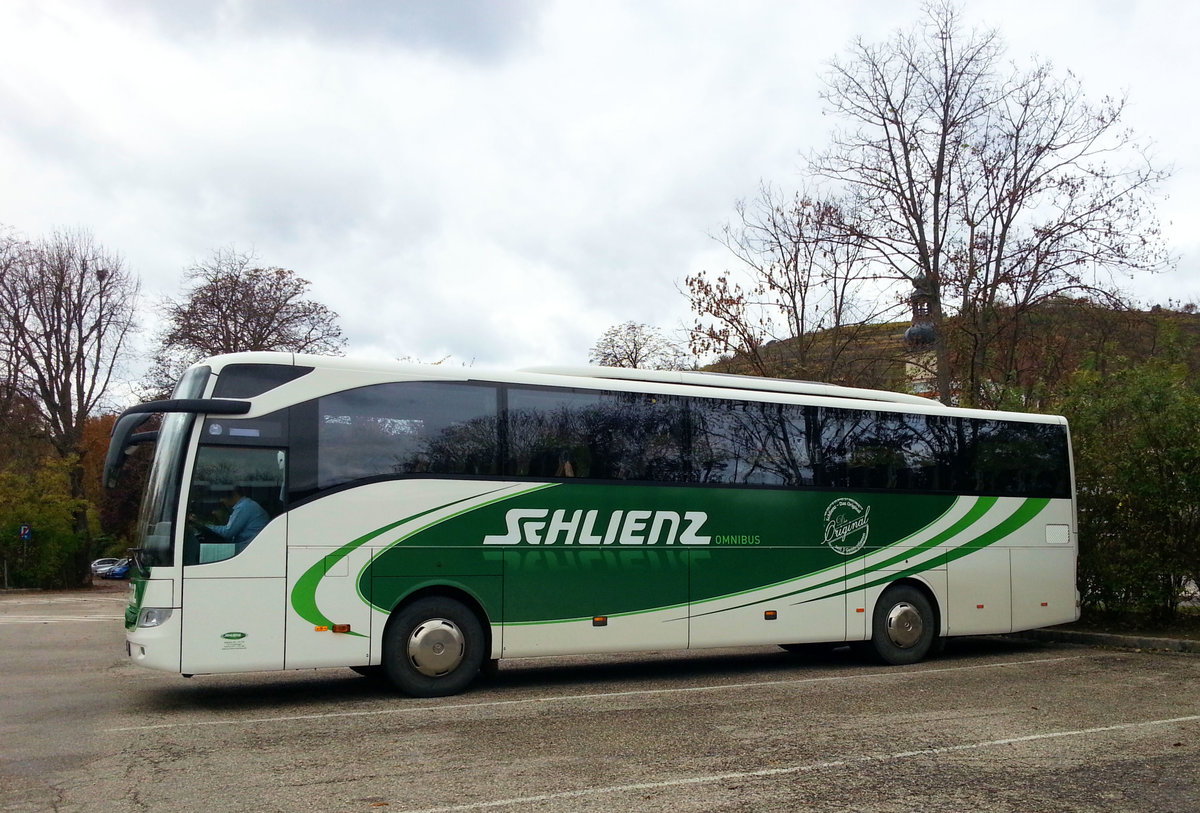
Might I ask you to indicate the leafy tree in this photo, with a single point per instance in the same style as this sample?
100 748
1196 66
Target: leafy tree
633 344
116 508
231 305
1137 461
39 495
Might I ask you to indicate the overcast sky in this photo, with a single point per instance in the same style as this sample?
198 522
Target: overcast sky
501 180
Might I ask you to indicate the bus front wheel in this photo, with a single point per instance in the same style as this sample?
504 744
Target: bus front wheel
433 647
904 626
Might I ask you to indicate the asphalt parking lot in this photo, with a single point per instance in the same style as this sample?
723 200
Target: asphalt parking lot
995 724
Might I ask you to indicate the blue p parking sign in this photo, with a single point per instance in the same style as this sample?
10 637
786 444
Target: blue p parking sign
25 533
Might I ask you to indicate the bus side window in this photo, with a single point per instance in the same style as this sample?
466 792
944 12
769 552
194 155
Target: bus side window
235 491
401 429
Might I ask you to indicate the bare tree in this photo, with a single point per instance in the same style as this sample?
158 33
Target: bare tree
997 188
800 296
633 344
66 313
231 305
11 251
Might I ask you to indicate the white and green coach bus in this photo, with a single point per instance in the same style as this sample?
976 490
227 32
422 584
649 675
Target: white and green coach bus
423 521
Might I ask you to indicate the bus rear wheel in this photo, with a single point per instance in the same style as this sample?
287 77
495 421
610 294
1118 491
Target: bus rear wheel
903 627
433 647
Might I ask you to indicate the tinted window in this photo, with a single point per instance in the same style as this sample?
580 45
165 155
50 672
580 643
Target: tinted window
739 442
1009 458
602 435
453 429
866 449
850 449
550 433
249 380
406 428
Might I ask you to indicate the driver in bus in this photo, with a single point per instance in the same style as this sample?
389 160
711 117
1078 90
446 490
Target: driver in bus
246 519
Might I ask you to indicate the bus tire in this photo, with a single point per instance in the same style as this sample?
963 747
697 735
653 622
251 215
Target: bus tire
433 647
904 626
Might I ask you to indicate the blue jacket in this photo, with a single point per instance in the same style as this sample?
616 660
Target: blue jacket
245 521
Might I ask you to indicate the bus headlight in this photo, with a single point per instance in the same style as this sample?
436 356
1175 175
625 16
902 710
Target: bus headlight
153 616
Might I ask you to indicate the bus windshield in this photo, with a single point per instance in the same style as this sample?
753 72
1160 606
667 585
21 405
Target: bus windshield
161 500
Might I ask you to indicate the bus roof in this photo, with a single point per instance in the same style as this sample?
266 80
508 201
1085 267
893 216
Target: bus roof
729 381
723 385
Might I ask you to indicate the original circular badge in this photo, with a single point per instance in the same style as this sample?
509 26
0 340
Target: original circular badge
847 525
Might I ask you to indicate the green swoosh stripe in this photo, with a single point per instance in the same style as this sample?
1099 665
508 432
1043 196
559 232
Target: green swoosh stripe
1017 520
304 594
468 510
981 507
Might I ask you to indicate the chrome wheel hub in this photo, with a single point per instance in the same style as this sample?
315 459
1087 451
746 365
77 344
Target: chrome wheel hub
436 647
904 625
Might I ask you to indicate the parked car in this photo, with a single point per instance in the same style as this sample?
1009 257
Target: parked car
101 565
118 571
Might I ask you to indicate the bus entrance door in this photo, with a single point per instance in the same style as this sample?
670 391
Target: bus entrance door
234 608
235 537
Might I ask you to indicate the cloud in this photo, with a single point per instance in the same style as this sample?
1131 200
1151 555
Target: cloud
475 30
502 181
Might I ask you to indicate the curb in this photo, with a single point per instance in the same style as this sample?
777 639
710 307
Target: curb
1110 640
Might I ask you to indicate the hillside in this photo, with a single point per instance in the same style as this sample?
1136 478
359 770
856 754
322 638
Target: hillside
1022 356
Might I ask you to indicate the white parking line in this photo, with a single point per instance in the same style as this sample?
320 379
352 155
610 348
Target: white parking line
51 619
797 769
109 599
716 687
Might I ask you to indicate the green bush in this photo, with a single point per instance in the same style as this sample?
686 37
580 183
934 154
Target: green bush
1137 461
41 499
